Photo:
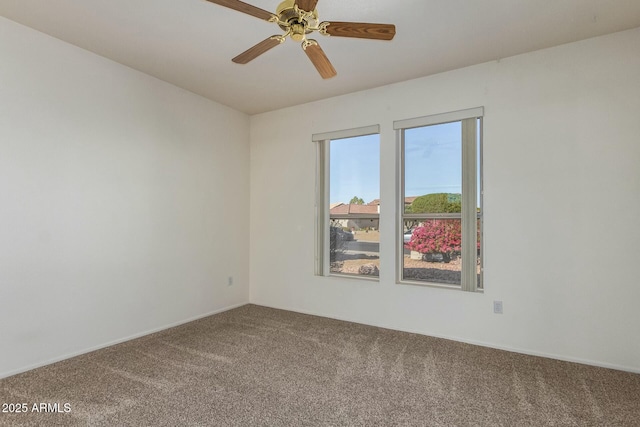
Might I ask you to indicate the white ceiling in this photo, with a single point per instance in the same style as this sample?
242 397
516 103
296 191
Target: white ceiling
190 43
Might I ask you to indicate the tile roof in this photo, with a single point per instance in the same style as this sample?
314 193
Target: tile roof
354 209
371 207
409 200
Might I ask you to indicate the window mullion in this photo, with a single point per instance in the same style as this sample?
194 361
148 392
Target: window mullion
326 267
400 208
469 205
433 216
322 209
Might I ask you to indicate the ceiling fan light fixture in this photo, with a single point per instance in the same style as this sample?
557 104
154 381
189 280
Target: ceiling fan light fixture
298 32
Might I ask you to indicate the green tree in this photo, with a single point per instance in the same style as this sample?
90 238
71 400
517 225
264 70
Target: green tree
356 201
436 203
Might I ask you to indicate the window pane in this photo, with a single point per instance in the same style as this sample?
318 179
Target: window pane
432 251
354 191
354 169
433 168
439 199
354 250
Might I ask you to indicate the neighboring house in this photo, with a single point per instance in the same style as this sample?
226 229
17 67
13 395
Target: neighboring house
407 201
354 211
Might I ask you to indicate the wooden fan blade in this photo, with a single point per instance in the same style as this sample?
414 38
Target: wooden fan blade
307 5
257 50
362 30
320 60
244 8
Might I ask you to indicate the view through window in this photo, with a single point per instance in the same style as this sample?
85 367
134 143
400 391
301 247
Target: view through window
441 203
439 207
352 181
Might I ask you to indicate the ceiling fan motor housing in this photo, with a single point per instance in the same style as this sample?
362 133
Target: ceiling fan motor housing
298 24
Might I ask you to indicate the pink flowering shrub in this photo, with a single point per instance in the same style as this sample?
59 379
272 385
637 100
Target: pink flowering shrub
437 236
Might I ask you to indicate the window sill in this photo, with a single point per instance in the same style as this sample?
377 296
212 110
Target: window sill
435 285
355 276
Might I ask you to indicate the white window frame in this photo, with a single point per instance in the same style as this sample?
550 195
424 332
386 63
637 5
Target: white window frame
322 217
470 120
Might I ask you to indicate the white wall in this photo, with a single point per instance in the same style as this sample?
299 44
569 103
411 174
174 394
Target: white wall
562 186
123 202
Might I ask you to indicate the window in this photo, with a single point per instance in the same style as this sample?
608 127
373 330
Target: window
440 203
348 209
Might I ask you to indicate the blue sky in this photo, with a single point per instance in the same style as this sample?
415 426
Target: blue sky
433 159
355 169
433 164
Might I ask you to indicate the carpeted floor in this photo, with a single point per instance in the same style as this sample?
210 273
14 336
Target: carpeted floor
260 366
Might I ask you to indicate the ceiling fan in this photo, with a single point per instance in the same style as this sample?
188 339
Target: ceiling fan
297 18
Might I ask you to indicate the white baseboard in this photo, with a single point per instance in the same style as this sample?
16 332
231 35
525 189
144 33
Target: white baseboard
118 341
528 352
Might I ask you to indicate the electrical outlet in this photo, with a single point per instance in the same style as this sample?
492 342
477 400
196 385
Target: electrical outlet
230 281
497 307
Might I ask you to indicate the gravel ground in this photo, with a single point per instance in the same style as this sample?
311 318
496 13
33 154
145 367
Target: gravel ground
439 272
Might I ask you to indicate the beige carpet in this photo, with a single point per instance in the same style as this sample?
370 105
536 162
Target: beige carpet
259 366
